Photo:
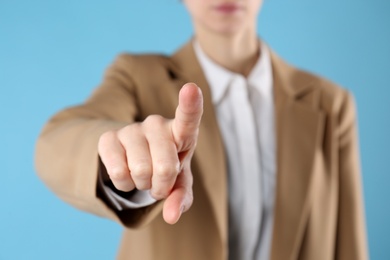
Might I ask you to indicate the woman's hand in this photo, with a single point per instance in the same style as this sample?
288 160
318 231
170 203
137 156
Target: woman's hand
156 154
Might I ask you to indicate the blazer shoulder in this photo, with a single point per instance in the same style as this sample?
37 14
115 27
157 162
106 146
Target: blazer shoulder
335 101
142 66
148 60
304 81
333 96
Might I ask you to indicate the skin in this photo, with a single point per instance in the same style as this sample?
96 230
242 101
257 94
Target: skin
230 39
156 154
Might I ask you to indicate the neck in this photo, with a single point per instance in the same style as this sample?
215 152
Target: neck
237 53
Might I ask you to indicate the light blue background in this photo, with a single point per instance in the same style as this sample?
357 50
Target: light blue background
53 53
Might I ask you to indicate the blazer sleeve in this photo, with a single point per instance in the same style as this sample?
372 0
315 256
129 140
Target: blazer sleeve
66 151
351 233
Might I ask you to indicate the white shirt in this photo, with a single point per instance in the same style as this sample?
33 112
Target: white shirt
247 128
251 189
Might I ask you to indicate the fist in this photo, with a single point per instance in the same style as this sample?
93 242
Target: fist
156 154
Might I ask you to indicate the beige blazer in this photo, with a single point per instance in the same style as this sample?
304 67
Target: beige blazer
318 207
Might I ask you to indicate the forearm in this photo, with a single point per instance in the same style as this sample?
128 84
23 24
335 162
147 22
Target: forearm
67 160
67 149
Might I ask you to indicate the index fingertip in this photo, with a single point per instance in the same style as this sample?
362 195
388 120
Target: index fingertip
190 93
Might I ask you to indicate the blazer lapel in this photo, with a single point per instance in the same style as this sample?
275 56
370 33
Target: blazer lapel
209 155
299 125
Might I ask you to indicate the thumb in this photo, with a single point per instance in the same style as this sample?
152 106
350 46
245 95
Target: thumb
181 198
187 118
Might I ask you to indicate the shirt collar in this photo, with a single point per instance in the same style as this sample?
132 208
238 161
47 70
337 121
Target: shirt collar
260 77
219 78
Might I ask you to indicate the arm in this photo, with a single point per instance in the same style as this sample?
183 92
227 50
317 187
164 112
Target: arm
351 234
67 153
133 155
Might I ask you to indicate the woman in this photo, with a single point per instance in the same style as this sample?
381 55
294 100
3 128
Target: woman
275 172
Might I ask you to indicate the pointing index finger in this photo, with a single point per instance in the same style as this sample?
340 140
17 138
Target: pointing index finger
188 115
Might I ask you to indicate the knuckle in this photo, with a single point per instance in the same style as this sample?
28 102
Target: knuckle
166 171
127 130
118 174
105 138
153 121
141 171
108 135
